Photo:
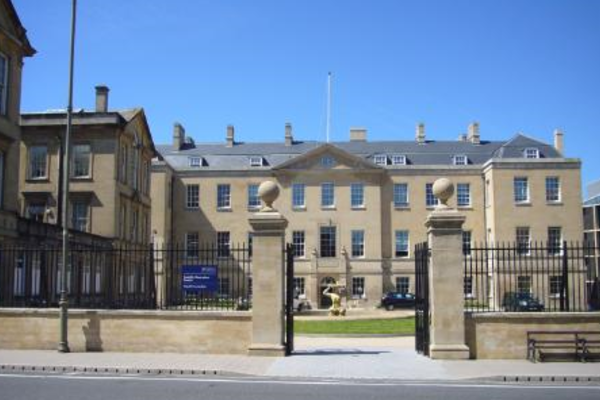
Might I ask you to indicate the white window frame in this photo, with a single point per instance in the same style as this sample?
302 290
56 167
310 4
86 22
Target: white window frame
77 220
299 286
192 244
460 197
397 234
253 197
555 242
429 195
298 192
553 192
30 162
299 244
460 159
397 201
359 291
333 248
553 281
192 200
223 196
468 287
523 240
325 192
195 162
403 284
358 189
517 181
257 161
223 246
531 153
327 161
524 282
398 159
76 147
357 239
380 159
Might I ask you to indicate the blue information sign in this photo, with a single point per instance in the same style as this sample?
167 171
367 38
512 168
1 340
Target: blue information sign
199 278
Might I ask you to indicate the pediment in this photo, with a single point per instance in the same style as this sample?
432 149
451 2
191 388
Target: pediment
327 158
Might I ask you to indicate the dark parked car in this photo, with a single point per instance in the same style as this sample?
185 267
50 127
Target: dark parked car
398 300
521 302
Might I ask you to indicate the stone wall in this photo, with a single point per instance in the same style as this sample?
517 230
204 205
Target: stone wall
129 331
504 335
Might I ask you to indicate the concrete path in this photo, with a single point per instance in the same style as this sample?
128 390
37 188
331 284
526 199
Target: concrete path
316 357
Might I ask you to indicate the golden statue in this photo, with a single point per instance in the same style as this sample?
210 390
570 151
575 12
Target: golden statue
332 291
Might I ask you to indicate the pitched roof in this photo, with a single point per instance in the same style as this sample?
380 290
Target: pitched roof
217 156
20 30
594 201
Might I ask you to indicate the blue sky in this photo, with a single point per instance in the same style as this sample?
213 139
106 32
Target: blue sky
514 66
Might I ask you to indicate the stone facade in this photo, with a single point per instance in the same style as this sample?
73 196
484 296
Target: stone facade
110 172
14 47
502 186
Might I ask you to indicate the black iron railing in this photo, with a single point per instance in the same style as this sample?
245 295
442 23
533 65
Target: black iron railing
111 276
422 255
530 277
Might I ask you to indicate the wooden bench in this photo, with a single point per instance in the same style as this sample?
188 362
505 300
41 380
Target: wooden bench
582 344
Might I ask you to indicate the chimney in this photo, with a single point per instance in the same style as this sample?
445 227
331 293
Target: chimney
230 136
473 135
178 135
358 135
559 141
420 133
102 98
289 139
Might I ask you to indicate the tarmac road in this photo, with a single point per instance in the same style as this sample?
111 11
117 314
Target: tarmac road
92 387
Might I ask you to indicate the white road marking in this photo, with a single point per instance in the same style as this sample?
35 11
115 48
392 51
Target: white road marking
200 379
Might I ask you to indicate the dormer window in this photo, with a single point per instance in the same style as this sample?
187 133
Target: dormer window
195 162
398 159
532 152
460 159
380 159
256 161
327 161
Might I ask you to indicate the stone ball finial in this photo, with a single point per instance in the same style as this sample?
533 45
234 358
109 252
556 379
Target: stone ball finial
268 191
443 189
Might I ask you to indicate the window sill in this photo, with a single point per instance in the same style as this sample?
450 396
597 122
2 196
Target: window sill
357 257
402 257
554 203
402 207
81 179
328 208
467 208
253 208
358 208
299 208
224 209
38 180
523 204
191 208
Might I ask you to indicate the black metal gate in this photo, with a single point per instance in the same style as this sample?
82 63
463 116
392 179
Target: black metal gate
422 298
289 299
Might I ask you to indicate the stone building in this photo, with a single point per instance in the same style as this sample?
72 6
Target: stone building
110 171
591 226
14 47
357 208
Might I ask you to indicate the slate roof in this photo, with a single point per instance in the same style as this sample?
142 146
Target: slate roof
594 201
219 157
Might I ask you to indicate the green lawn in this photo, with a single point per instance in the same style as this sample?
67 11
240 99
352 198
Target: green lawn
398 326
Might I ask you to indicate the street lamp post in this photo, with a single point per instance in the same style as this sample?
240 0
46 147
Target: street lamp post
63 345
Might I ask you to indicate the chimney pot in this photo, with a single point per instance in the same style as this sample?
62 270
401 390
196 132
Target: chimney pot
559 141
358 135
289 138
473 135
102 98
230 136
420 133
